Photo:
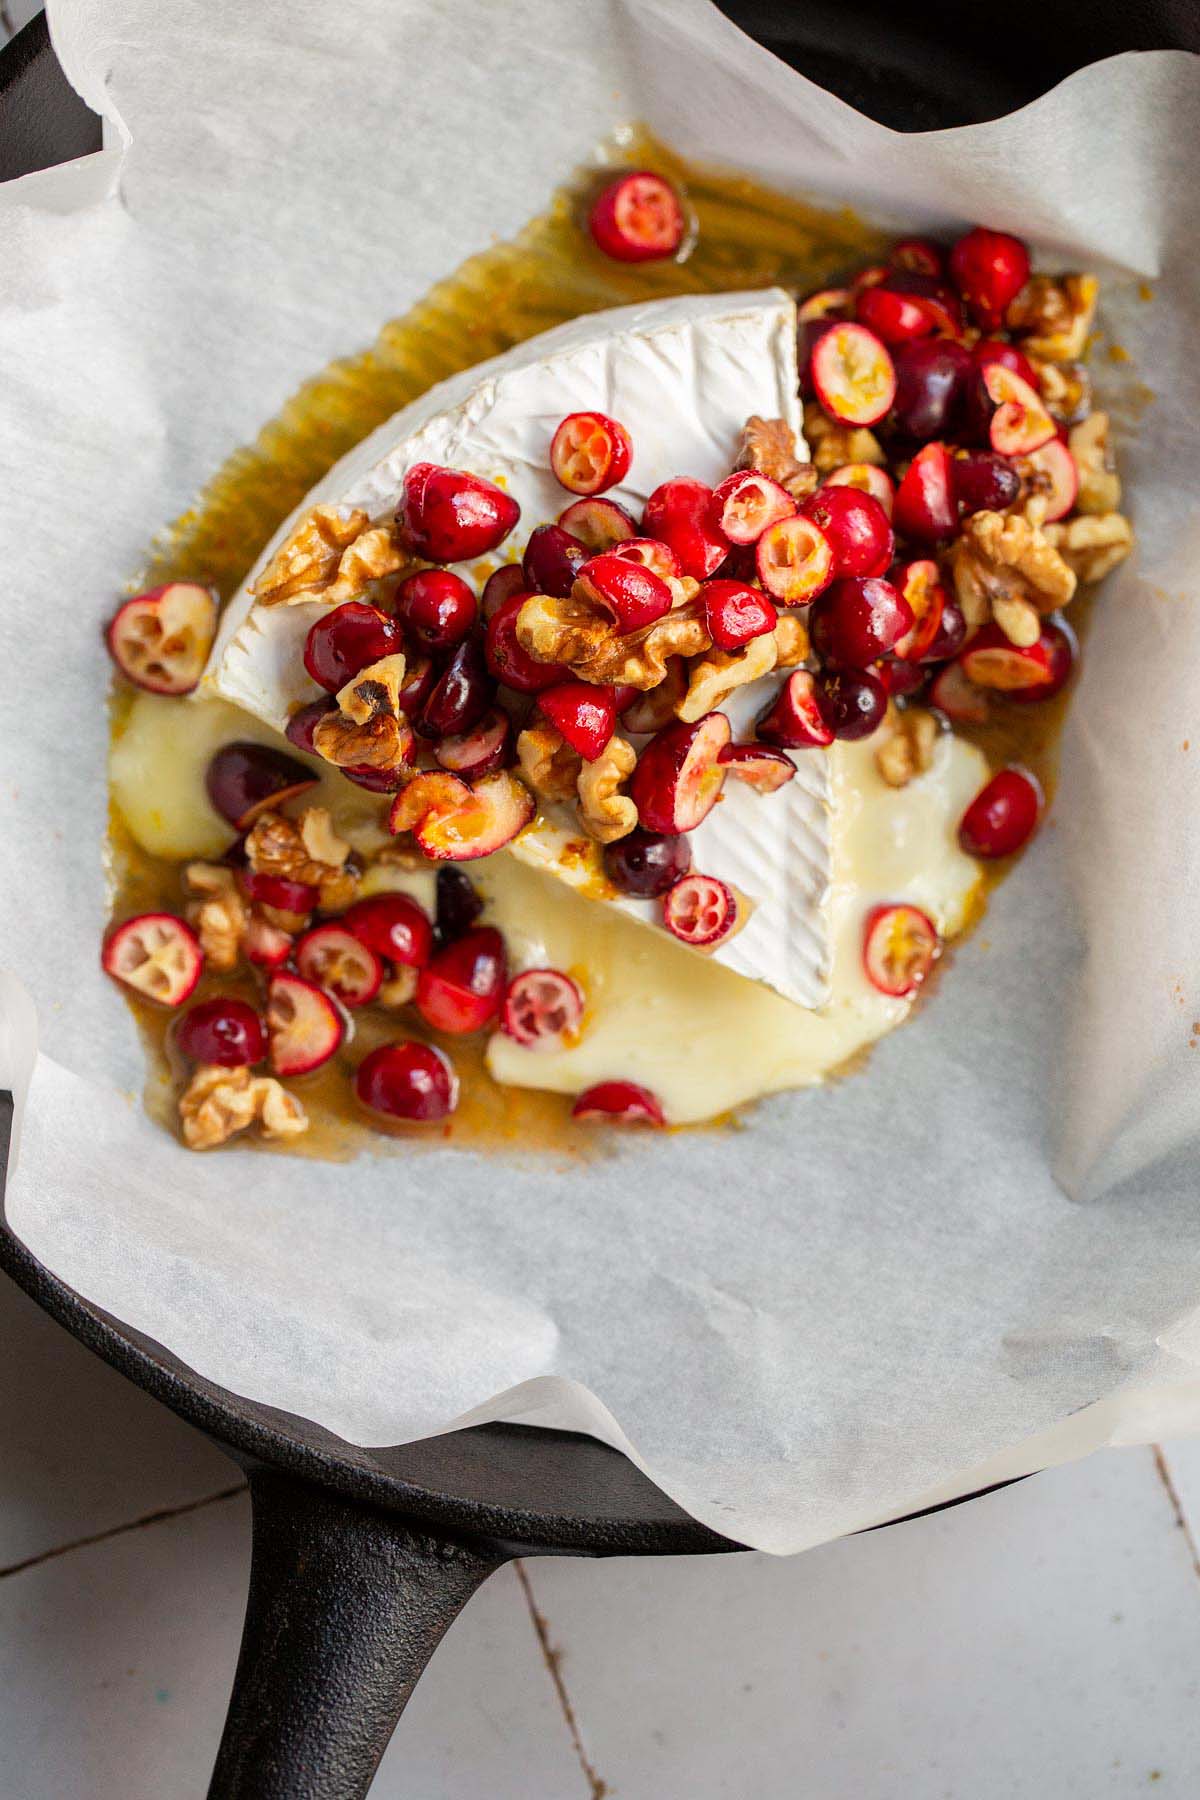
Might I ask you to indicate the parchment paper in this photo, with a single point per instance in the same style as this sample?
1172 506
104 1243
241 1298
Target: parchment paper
978 1256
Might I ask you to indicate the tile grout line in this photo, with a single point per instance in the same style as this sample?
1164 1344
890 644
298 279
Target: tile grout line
1172 1493
597 1788
114 1531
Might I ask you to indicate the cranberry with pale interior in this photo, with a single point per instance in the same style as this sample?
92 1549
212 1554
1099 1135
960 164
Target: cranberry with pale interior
457 903
926 504
745 503
509 662
990 660
157 955
407 1080
598 524
680 514
446 515
645 863
265 945
244 779
552 560
436 607
304 1025
160 640
1062 652
462 694
868 479
280 892
700 910
931 378
852 702
618 1103
338 961
853 375
679 775
660 559
224 1032
858 620
794 560
590 452
392 926
461 987
583 714
983 481
632 595
543 1010
856 528
461 822
921 585
961 701
501 585
486 747
1051 473
1003 815
794 720
736 613
989 268
996 350
346 640
900 946
763 769
1008 413
638 218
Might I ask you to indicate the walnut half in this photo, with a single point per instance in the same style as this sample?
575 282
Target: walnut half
715 675
329 558
1093 544
218 913
605 813
219 1102
1002 557
547 762
908 745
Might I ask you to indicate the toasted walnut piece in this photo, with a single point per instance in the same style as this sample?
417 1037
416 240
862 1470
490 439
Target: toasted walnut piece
641 659
219 1102
1019 621
714 676
338 891
374 690
1001 556
684 589
380 743
791 641
604 812
1055 313
219 916
400 988
835 444
547 762
319 838
769 447
308 560
1093 544
562 630
369 558
1066 389
1099 483
279 846
907 746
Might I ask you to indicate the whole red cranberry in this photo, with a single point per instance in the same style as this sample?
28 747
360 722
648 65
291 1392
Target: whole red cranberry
394 926
407 1080
984 481
852 702
437 607
461 987
448 516
951 634
346 640
458 905
463 693
995 350
224 1032
930 378
552 560
509 662
647 863
856 526
303 723
1002 816
857 620
989 268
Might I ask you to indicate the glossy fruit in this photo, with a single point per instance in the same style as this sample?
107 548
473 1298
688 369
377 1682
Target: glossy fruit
632 596
542 1010
638 218
856 528
679 777
680 514
857 620
735 613
462 694
868 479
1062 651
1017 421
337 960
853 375
931 378
265 945
1051 473
936 297
345 640
508 662
501 585
808 335
155 954
552 560
995 350
492 813
920 583
590 452
393 926
161 639
794 560
280 893
420 675
598 524
920 255
926 506
618 1103
304 1025
983 481
650 711
436 607
852 702
745 503
457 903
584 714
244 779
896 318
794 720
486 747
958 698
760 768
699 910
646 863
1002 816
660 559
304 721
900 946
407 1080
223 1032
462 986
951 633
900 678
449 516
989 268
991 661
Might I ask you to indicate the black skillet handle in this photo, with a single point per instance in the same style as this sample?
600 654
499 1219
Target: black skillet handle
346 1607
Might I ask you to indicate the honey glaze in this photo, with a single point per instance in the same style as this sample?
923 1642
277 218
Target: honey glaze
654 1009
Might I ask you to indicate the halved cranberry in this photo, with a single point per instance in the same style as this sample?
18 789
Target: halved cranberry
826 303
244 779
552 560
223 1032
852 702
896 318
926 505
868 479
989 268
1052 474
437 608
857 620
920 584
420 675
680 514
736 613
983 481
1062 649
900 678
458 905
618 1103
279 892
632 595
460 989
506 659
407 1080
584 714
1002 816
764 770
794 559
660 559
795 720
853 375
869 277
900 946
501 585
338 961
995 350
919 255
856 528
393 926
679 777
598 524
381 781
951 633
930 380
345 640
449 516
700 910
1017 419
991 661
745 503
461 696
267 946
542 1010
937 298
650 711
492 813
161 639
303 1024
646 863
958 698
590 452
155 954
638 218
809 333
488 746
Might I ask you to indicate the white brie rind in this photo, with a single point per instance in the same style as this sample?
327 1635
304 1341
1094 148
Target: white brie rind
682 375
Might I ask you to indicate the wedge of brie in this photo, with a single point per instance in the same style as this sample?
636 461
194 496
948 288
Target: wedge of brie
682 375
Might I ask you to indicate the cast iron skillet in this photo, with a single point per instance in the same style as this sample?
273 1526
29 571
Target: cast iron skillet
362 1558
